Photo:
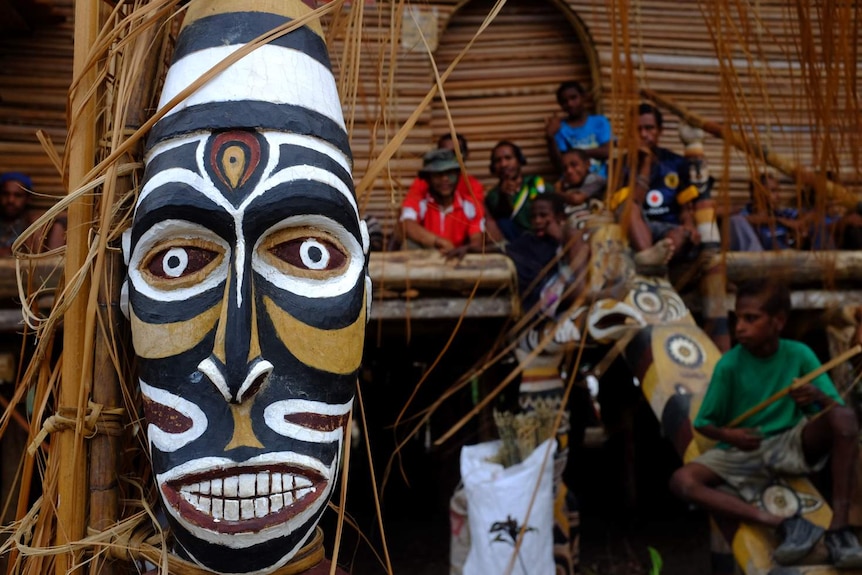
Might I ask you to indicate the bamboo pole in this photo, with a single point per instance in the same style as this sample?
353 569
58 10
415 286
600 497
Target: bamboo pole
797 383
834 190
105 448
68 446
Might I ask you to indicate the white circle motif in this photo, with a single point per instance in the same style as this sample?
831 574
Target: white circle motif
648 301
654 199
308 257
780 500
181 258
685 351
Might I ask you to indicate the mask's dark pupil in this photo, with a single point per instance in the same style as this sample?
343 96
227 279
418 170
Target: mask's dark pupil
315 254
173 262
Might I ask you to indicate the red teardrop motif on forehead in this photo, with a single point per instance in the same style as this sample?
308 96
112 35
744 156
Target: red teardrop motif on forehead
234 156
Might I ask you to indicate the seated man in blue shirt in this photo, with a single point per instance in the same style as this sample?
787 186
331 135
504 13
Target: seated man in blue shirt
662 202
777 228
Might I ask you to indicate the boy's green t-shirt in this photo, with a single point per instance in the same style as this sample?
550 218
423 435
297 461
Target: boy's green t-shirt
741 380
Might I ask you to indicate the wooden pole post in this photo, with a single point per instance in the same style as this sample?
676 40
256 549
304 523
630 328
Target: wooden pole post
68 445
105 447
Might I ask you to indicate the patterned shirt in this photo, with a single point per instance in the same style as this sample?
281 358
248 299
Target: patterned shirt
516 209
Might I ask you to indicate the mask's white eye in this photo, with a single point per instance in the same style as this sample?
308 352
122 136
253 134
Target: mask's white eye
174 263
180 263
316 254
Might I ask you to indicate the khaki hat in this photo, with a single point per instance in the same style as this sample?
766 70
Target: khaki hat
437 161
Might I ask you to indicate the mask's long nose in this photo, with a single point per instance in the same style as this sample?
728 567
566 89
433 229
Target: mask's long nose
236 367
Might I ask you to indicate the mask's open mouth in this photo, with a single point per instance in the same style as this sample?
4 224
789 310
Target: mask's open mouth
244 499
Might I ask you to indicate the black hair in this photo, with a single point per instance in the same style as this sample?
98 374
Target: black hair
777 295
558 206
762 178
647 108
519 155
462 142
567 85
579 152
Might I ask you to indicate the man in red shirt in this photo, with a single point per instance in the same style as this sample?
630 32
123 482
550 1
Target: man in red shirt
442 218
468 186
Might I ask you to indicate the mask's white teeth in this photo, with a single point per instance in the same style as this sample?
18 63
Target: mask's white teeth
247 495
231 509
247 485
263 487
261 507
246 507
231 486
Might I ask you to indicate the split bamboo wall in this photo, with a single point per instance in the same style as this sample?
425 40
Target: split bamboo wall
505 87
35 73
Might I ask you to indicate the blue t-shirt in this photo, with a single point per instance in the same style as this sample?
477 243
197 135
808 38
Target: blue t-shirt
668 177
779 236
595 132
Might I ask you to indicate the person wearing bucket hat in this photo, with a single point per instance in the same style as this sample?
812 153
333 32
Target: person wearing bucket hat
468 186
443 218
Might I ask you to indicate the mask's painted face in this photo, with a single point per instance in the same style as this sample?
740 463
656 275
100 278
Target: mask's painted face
247 296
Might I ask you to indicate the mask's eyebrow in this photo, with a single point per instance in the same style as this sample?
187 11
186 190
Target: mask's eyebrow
179 201
300 197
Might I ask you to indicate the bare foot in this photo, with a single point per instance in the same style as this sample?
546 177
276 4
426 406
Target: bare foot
658 254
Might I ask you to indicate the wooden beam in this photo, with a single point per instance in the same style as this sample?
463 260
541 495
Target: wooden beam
442 308
795 267
428 269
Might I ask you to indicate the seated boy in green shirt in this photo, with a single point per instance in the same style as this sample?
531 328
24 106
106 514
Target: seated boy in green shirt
777 440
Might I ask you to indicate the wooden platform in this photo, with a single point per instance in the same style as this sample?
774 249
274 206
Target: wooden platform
423 285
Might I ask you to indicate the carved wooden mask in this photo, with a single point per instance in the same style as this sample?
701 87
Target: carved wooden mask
247 288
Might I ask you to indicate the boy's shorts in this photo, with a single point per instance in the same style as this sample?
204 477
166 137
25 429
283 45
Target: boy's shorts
750 472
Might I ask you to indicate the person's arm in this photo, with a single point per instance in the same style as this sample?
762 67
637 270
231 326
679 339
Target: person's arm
717 409
474 245
602 127
740 437
599 153
476 232
640 235
573 196
821 392
552 126
414 231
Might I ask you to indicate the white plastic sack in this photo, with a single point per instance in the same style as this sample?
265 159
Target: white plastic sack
459 541
497 503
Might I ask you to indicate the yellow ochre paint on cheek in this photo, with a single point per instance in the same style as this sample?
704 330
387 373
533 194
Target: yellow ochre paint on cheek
333 350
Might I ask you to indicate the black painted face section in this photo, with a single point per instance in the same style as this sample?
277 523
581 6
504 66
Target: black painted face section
247 301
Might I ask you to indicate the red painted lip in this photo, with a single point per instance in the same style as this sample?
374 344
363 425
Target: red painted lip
269 503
